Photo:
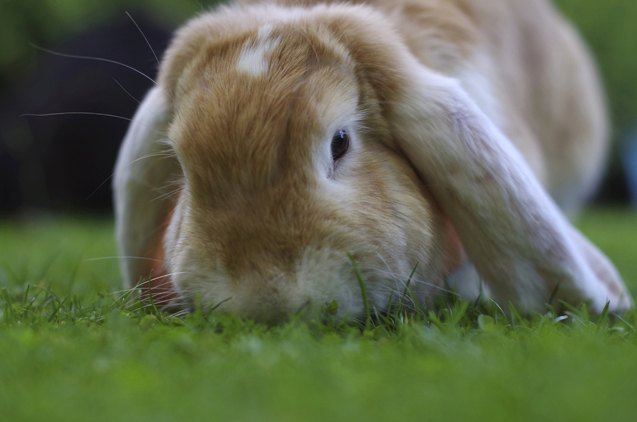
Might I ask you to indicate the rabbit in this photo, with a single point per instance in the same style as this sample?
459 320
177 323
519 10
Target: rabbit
298 153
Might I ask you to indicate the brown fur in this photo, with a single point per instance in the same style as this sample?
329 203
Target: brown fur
156 284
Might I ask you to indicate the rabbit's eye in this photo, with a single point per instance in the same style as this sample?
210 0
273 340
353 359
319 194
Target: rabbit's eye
340 144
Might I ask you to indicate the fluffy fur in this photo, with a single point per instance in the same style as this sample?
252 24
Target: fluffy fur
471 125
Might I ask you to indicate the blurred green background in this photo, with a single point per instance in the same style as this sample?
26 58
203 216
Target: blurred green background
609 27
47 22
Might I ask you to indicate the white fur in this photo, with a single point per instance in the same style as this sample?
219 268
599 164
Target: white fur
513 232
141 174
253 58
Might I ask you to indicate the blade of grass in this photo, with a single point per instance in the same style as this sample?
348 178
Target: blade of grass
363 288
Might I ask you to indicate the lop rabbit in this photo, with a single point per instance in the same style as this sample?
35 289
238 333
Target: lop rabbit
430 142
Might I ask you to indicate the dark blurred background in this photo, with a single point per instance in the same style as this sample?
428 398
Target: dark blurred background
63 163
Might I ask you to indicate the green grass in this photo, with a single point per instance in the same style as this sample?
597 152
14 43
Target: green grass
71 350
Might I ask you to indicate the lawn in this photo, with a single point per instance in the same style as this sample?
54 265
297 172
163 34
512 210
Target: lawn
72 349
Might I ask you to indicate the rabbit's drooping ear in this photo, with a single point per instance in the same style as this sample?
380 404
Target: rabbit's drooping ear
144 169
522 245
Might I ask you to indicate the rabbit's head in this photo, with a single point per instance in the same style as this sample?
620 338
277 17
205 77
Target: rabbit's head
290 176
